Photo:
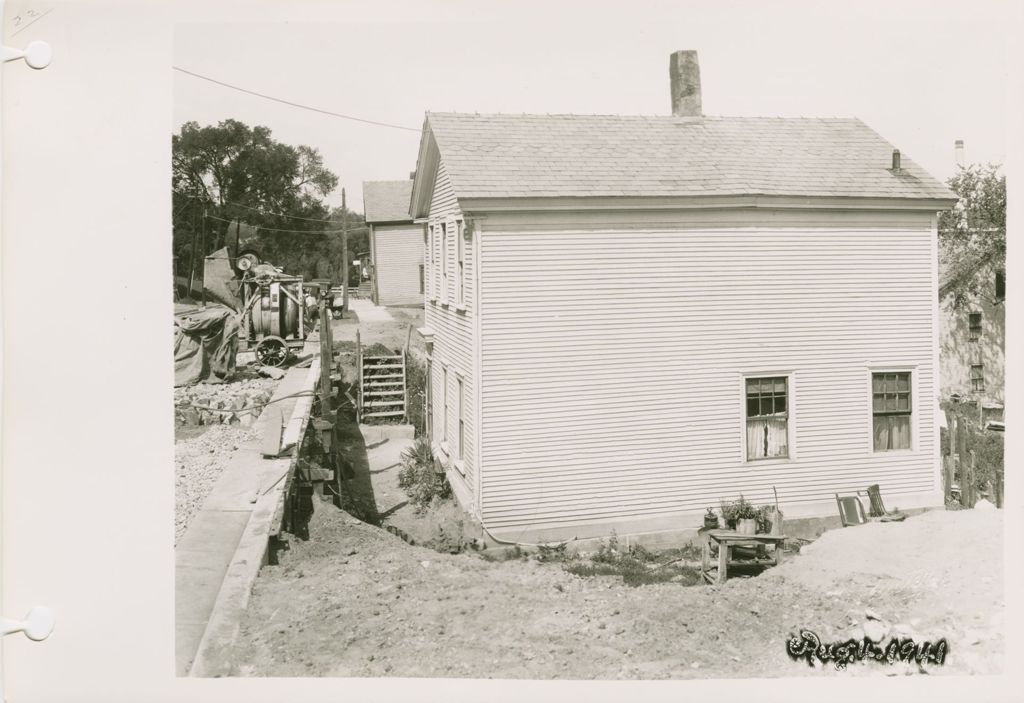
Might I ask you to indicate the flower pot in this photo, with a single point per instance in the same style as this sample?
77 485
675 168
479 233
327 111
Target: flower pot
746 526
711 521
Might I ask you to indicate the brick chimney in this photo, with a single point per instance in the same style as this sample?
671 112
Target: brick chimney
684 73
958 153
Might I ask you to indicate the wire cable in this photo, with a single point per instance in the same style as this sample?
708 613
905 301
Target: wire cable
256 209
293 231
293 104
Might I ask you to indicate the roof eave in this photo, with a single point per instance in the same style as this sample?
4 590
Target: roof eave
554 204
426 173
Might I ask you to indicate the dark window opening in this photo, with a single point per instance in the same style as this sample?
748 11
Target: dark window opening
977 377
974 325
891 410
1000 285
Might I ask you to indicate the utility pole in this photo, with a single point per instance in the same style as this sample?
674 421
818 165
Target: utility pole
203 249
344 254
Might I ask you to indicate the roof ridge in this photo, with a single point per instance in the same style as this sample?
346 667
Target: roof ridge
637 116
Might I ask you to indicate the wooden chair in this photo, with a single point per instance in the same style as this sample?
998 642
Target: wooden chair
878 507
851 510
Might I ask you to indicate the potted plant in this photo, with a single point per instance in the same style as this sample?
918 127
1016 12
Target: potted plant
728 514
746 517
710 519
769 520
740 515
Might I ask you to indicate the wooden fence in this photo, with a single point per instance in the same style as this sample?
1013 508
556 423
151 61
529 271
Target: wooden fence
959 466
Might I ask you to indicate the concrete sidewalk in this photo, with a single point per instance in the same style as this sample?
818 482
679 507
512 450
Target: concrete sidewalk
368 312
205 552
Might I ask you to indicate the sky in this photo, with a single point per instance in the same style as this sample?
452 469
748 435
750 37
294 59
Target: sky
920 74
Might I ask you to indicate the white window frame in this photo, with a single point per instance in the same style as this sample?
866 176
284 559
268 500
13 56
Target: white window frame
915 408
460 244
430 263
460 449
791 444
444 407
444 263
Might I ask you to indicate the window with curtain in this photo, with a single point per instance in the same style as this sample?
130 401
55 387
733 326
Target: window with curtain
767 418
891 410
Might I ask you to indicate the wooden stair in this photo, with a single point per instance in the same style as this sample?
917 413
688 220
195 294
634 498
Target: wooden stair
382 388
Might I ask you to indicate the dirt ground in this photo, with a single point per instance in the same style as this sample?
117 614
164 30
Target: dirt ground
355 600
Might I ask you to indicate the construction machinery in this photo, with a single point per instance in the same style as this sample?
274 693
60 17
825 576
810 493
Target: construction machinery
273 311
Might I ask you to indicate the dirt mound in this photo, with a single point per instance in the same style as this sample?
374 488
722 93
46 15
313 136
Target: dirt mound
358 601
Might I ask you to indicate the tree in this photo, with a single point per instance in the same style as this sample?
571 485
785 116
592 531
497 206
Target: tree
972 236
233 173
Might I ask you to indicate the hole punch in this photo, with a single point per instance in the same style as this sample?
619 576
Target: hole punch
37 54
37 625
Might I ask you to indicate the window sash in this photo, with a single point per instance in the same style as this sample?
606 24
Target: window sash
974 325
430 261
891 410
444 261
461 247
444 383
767 411
977 377
462 419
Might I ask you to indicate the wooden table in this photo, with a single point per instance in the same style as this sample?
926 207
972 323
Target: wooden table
725 540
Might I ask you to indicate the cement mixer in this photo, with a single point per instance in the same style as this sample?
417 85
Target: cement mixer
273 311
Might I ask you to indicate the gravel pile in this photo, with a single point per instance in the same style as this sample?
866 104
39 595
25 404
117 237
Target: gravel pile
199 462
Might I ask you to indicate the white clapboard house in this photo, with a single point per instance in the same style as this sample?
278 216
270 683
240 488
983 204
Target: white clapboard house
630 318
396 244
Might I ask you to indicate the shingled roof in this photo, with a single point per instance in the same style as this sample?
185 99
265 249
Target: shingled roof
387 201
532 156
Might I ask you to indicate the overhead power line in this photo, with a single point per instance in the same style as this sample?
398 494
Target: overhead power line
293 231
261 211
293 104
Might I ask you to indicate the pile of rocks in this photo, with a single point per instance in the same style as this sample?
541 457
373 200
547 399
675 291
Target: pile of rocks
222 403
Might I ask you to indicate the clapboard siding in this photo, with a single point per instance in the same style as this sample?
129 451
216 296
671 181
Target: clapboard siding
453 341
397 255
613 364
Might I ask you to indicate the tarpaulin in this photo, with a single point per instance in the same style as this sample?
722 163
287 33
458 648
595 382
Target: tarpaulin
219 282
205 344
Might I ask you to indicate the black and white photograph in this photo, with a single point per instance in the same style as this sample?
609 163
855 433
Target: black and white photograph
533 343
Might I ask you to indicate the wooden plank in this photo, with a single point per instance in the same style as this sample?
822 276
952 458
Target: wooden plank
359 367
723 562
271 445
326 356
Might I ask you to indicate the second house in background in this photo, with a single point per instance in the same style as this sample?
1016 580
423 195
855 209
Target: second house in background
396 244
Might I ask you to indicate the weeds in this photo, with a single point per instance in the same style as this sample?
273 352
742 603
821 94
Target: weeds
636 565
418 477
